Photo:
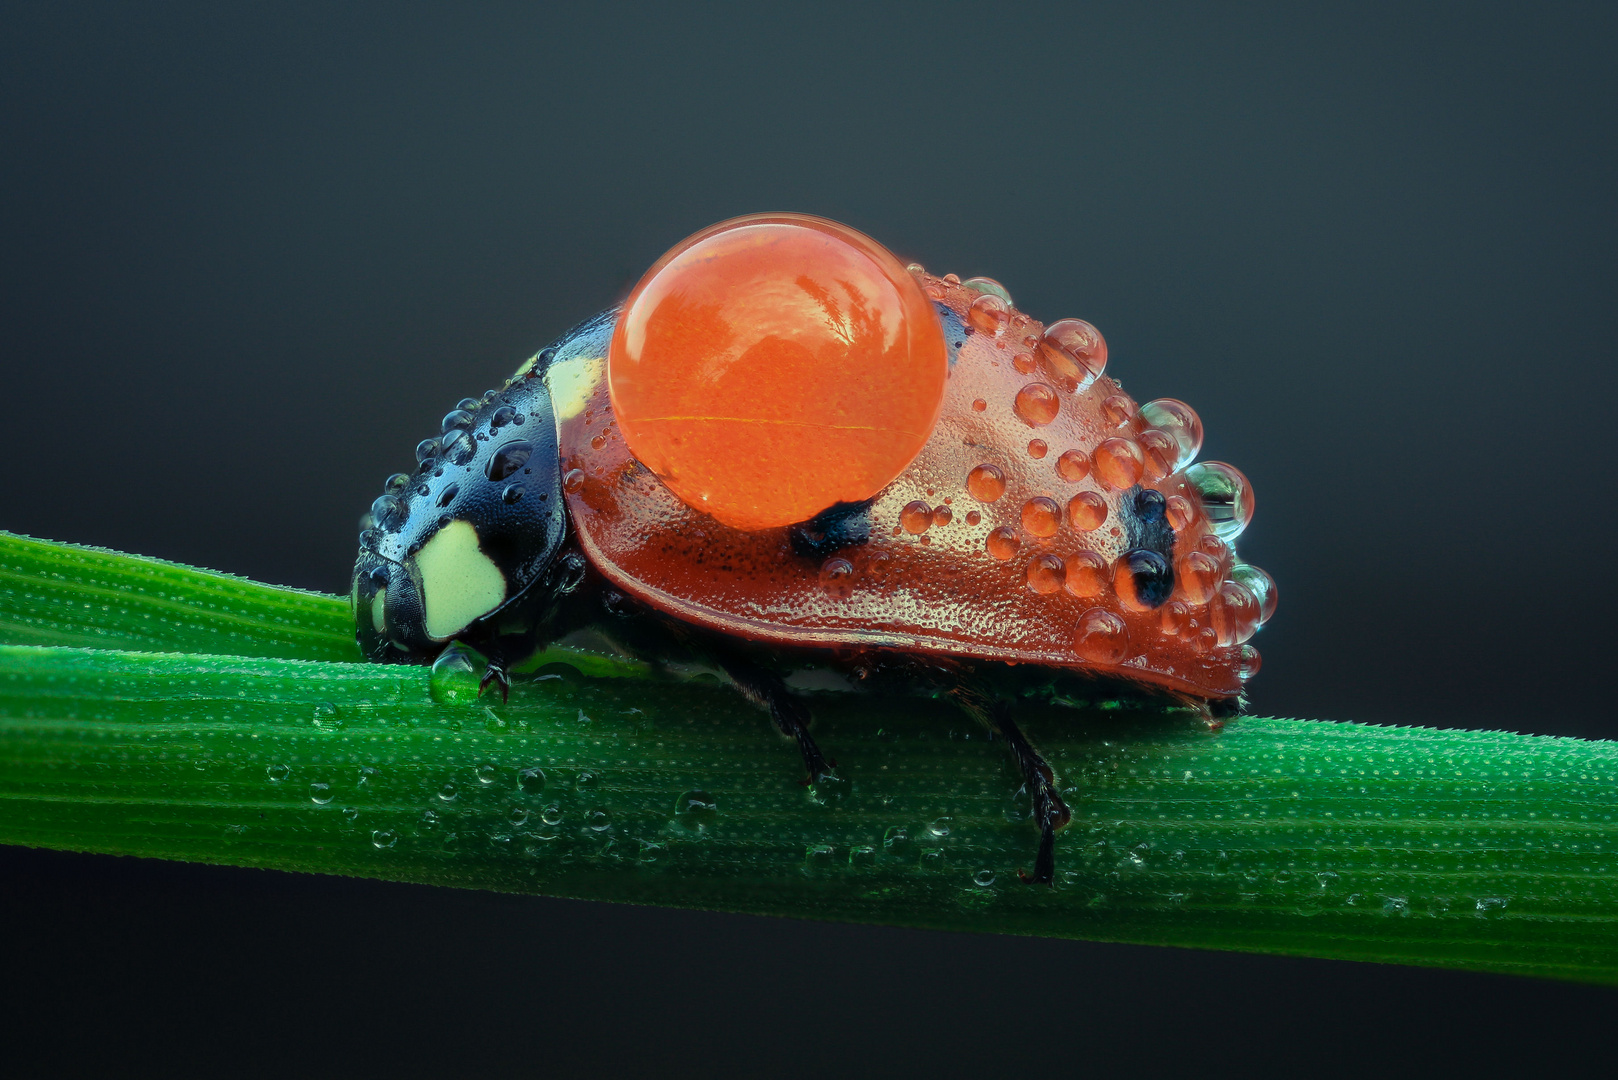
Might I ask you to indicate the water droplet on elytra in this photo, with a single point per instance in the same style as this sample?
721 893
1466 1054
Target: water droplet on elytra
1101 637
1045 574
1037 448
1086 511
1086 575
1118 464
1036 404
986 483
1041 517
1073 465
988 313
1072 353
916 517
837 578
1181 423
1002 543
1225 495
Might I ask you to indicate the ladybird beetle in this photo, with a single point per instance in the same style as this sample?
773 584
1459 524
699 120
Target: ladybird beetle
786 449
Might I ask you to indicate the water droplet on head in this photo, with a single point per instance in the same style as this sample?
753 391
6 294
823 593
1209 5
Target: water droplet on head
1002 543
1045 574
388 511
456 418
1119 464
1101 637
988 313
396 483
1086 575
1041 517
1225 495
837 578
320 794
1181 423
916 517
1086 511
531 780
454 678
427 450
1036 404
986 483
1072 353
504 415
508 459
277 772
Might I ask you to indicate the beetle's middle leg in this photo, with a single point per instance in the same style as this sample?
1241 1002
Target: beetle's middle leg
791 716
1050 812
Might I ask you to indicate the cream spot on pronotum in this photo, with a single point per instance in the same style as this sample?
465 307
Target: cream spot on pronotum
459 582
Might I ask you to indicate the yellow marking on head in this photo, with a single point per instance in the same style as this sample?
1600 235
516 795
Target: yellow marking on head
572 382
459 582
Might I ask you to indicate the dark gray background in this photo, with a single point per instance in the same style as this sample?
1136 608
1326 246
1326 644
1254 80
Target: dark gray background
250 254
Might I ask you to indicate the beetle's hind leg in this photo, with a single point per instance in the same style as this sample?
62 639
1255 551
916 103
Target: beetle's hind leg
1050 812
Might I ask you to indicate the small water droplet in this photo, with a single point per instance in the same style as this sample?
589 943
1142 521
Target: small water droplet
388 511
429 819
505 461
1086 511
916 517
1045 574
1141 579
518 816
1072 353
366 775
511 494
384 838
1260 585
456 418
326 716
988 285
1181 423
862 857
573 480
988 313
447 496
973 517
1041 517
983 878
1036 404
320 794
1248 662
488 773
597 821
896 839
1178 512
1073 465
837 578
939 828
1117 409
351 813
1101 637
458 446
586 781
979 405
1038 448
1175 619
1002 543
504 415
696 804
942 515
428 449
447 792
531 780
551 815
278 772
1157 452
986 483
1119 463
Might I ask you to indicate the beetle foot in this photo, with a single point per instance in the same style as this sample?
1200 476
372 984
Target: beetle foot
496 674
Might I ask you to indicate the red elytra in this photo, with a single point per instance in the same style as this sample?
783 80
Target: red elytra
990 543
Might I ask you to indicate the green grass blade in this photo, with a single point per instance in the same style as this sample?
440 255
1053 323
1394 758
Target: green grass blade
1474 850
64 594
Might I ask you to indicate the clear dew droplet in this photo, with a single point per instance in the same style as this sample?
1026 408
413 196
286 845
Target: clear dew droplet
598 821
1225 496
326 716
1041 517
696 803
988 286
384 838
531 780
447 792
454 677
983 878
488 773
1260 584
278 772
837 578
988 314
551 815
455 419
320 794
939 828
1072 353
1180 423
1073 465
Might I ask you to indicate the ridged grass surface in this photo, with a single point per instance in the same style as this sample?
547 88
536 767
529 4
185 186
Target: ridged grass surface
1477 850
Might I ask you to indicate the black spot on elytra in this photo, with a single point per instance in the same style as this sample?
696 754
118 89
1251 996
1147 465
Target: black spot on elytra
839 526
1151 544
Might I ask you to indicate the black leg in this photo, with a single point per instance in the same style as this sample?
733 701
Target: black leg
1050 812
791 716
495 674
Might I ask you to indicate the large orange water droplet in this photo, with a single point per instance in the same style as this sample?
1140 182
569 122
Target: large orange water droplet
771 366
